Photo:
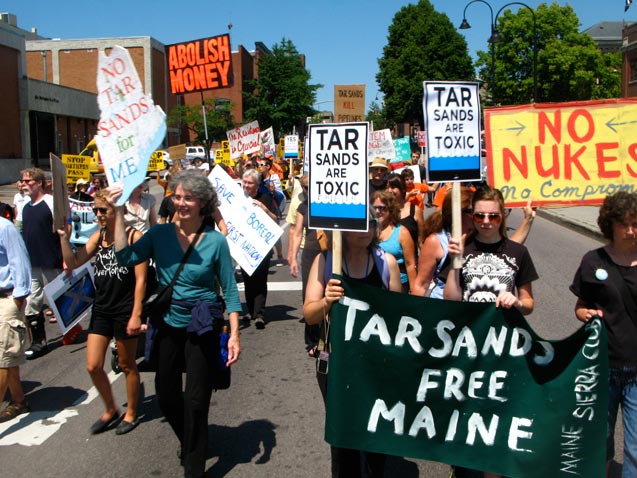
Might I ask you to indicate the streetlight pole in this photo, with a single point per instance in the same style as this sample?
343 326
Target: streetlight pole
495 35
465 26
495 38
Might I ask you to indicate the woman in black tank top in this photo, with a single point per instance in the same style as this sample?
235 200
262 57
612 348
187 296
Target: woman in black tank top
117 310
359 265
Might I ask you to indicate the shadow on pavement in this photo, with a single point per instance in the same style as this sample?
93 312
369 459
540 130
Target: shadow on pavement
234 445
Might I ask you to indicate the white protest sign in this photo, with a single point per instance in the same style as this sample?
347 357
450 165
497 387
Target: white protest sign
452 123
71 296
245 139
414 168
131 127
339 178
83 220
268 146
291 146
381 145
251 232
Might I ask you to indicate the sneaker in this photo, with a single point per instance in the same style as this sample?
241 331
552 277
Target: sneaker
36 350
13 410
259 323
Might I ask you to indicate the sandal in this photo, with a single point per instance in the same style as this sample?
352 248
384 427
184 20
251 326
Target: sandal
313 352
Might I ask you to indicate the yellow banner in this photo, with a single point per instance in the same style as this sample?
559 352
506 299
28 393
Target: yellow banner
77 167
562 153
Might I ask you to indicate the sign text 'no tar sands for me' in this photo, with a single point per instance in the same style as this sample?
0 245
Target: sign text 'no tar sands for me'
465 383
562 153
337 159
131 126
199 65
452 122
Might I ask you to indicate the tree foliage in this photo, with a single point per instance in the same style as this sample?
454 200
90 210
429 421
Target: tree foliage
422 45
219 119
282 96
378 117
569 64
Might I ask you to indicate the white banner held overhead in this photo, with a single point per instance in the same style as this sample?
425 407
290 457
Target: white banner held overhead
251 232
381 145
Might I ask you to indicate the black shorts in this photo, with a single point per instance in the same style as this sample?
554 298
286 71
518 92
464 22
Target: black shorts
110 327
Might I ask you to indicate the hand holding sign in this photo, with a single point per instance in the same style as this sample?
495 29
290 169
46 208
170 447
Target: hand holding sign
131 127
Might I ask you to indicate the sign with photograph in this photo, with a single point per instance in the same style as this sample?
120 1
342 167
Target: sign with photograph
71 297
339 176
452 123
199 65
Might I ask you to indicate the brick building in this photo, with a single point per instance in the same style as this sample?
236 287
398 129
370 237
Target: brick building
50 87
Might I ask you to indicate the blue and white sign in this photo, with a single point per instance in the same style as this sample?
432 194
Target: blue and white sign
291 147
339 176
251 232
452 122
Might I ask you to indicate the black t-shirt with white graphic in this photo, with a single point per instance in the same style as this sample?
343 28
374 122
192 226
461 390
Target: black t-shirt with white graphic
490 269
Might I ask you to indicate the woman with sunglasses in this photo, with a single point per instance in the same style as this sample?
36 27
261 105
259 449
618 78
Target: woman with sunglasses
494 268
360 252
117 311
395 238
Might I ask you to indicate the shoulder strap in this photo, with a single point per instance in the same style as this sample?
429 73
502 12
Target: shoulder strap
380 260
617 278
188 251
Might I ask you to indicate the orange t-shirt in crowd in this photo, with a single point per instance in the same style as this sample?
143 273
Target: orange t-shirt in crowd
418 199
439 198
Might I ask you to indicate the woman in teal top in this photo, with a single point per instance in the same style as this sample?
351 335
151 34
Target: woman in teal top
395 239
181 342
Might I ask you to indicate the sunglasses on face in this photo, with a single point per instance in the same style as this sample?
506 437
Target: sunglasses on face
380 208
101 210
494 217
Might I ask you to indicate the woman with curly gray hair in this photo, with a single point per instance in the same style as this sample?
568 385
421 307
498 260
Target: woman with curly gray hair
188 337
606 285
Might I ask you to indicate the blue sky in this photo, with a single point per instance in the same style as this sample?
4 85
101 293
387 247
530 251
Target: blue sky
342 40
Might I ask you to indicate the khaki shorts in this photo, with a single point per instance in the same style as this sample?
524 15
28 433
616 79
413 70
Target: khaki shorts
15 337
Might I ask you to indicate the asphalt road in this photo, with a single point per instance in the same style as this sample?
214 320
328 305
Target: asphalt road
270 422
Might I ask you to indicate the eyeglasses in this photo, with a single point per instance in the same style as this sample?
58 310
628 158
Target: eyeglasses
101 210
380 208
494 217
263 165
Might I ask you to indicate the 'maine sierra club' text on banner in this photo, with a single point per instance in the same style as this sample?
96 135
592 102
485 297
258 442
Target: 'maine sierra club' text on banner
466 384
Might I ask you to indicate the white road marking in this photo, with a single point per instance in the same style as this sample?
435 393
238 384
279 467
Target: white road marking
277 286
34 428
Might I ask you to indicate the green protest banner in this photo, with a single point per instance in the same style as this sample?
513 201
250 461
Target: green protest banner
466 384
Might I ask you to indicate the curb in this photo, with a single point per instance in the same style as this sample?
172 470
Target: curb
562 219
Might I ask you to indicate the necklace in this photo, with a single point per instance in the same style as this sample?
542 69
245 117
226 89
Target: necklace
346 268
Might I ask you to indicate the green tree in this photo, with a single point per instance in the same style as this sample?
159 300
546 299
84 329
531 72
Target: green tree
219 119
569 64
422 45
282 96
378 117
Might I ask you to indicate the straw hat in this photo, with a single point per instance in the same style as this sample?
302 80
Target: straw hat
379 163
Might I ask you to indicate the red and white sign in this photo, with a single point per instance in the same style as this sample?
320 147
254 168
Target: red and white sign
422 139
245 139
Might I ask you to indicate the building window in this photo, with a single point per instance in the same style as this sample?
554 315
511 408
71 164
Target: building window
633 70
